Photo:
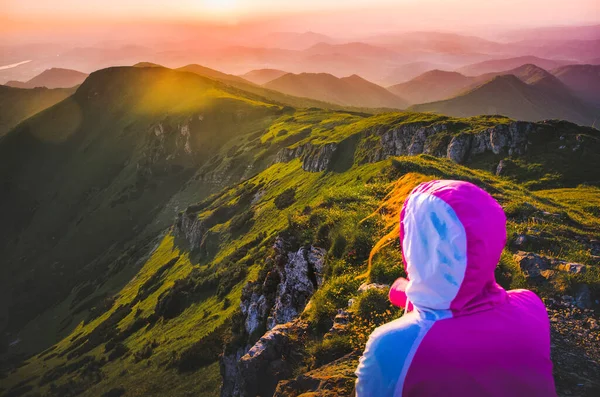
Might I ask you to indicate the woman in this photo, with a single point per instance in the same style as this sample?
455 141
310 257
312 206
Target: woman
463 335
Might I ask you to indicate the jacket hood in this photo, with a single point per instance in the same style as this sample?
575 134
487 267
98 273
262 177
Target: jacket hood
452 235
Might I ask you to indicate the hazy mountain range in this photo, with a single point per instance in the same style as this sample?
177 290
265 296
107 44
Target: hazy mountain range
571 95
386 59
346 91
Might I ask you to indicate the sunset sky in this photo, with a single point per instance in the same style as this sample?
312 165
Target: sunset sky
410 12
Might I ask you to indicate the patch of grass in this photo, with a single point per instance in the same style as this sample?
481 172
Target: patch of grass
285 199
327 350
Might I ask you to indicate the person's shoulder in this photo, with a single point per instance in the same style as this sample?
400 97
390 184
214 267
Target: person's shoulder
526 297
396 332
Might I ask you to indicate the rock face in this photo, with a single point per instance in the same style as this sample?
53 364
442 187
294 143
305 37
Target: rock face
314 158
300 276
412 139
334 379
272 305
167 146
191 228
270 359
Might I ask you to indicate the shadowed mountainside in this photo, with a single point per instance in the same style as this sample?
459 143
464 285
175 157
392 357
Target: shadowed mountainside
432 86
17 104
583 80
52 78
544 98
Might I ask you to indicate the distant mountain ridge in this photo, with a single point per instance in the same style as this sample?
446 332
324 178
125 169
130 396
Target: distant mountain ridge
432 86
583 80
499 65
52 78
262 76
348 91
212 73
510 96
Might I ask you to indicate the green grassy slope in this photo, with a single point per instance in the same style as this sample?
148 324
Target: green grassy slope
129 307
337 202
17 104
89 175
262 92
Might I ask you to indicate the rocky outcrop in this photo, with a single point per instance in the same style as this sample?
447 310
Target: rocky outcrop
191 228
381 142
334 379
272 305
314 158
404 140
255 310
230 372
271 359
167 147
436 140
300 276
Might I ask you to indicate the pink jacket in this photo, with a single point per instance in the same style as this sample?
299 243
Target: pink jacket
466 336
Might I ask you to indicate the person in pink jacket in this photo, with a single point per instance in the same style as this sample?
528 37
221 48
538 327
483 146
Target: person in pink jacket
462 334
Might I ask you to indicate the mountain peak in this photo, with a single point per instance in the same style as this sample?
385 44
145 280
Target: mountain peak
53 78
346 91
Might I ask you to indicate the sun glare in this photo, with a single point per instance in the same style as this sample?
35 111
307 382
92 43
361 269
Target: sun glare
220 5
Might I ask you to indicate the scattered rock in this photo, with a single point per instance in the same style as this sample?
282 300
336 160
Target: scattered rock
500 168
576 268
532 264
583 296
365 286
340 324
595 247
333 379
314 158
520 240
575 347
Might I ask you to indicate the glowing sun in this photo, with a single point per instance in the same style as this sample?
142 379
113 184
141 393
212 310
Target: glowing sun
220 5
